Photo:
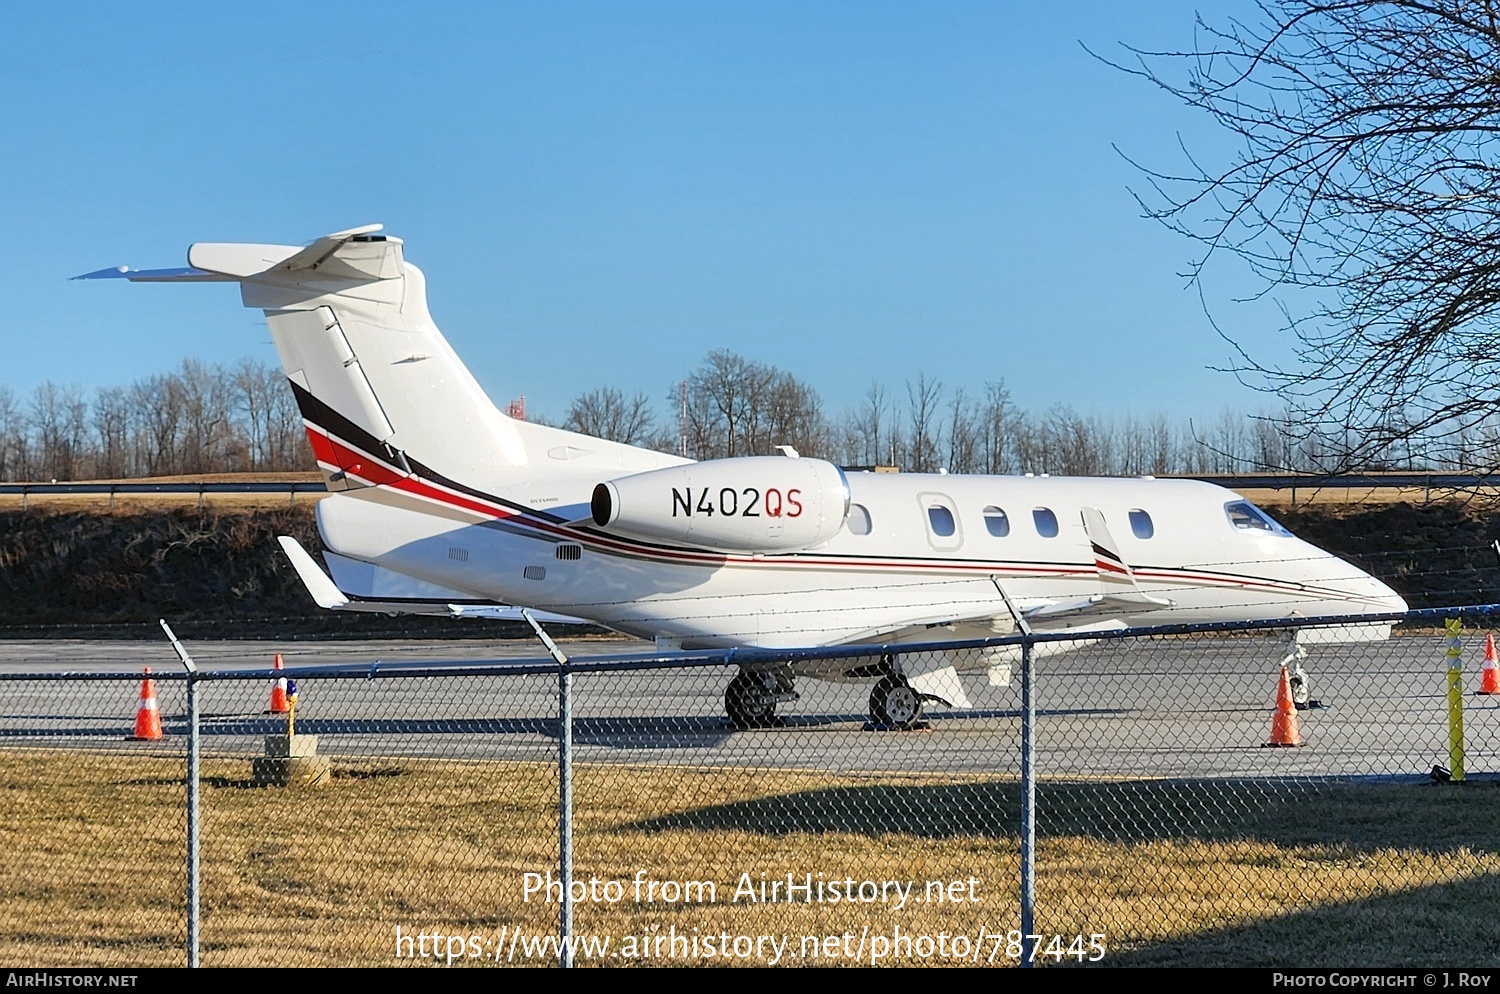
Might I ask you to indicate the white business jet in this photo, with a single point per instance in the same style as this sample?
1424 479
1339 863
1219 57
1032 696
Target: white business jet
441 503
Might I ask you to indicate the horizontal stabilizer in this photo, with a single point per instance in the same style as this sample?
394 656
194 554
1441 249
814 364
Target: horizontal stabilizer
236 260
189 275
318 254
229 262
324 593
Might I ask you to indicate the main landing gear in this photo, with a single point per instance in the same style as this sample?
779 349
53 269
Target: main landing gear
895 703
750 699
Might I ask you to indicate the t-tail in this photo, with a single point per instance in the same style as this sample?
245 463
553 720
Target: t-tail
382 394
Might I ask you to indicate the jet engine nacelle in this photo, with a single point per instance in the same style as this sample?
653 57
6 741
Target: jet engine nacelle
749 505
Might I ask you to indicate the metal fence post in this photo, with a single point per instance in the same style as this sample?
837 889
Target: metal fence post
193 777
564 790
1027 827
1028 801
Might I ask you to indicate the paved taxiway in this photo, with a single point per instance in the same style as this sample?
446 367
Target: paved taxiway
1164 708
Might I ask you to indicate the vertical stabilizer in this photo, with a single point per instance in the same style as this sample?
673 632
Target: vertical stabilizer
381 392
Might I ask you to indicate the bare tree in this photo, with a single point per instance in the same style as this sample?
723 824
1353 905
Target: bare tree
1368 175
253 388
965 434
111 432
159 402
58 418
793 415
605 412
870 427
722 398
1001 423
739 407
13 441
923 451
209 441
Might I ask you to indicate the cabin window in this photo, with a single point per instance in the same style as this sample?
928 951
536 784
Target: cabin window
944 530
941 520
1140 524
1046 521
996 522
858 521
1248 518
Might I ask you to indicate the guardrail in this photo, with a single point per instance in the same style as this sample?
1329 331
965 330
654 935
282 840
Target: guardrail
1426 482
289 487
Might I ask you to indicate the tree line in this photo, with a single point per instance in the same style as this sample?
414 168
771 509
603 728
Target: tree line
203 418
199 418
734 406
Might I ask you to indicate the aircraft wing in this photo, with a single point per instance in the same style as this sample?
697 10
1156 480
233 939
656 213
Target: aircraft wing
1044 617
383 592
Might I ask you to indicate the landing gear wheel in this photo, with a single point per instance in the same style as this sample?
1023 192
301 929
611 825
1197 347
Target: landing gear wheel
896 703
748 702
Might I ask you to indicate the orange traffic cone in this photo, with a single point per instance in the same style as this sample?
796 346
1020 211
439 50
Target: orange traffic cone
278 691
1489 682
147 717
1284 726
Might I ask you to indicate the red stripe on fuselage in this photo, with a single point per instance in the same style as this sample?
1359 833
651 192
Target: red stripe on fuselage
378 473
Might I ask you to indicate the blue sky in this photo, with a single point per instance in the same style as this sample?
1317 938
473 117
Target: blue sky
602 193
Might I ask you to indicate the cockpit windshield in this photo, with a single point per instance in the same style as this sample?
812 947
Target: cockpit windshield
1247 517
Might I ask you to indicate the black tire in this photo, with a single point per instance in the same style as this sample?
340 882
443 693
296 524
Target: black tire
896 703
748 703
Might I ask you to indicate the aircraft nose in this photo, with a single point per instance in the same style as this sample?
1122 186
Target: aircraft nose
1360 591
1393 601
1380 597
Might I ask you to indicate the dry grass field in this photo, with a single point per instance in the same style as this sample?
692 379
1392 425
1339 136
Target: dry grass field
1171 874
1324 496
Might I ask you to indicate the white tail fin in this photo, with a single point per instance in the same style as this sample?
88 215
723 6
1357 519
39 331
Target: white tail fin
381 392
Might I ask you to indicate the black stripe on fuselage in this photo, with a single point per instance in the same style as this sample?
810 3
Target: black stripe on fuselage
331 422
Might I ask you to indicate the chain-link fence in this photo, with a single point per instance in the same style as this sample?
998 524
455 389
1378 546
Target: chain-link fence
1142 798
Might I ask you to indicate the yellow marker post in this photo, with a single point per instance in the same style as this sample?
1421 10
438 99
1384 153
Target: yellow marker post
1455 699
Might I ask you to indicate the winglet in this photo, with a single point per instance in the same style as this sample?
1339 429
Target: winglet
1107 559
325 593
1111 566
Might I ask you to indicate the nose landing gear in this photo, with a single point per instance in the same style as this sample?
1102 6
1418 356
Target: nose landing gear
895 703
